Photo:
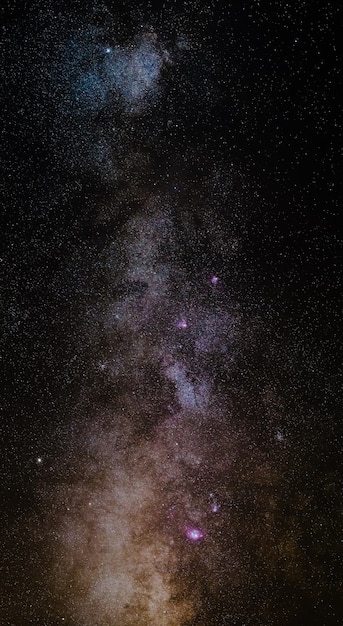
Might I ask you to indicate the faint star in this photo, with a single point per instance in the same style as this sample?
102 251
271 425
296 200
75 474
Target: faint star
279 436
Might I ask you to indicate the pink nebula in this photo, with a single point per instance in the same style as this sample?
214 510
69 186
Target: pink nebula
194 534
182 324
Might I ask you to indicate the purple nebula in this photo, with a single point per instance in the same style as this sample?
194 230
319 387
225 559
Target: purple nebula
194 534
182 324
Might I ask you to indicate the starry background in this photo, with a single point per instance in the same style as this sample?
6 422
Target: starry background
170 346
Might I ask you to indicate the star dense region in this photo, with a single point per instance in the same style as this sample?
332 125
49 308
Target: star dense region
170 437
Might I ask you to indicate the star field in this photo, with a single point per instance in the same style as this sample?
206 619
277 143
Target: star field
170 349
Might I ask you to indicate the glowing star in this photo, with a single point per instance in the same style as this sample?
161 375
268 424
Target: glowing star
214 280
182 324
39 460
194 534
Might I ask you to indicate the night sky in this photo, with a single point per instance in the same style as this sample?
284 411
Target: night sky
171 439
